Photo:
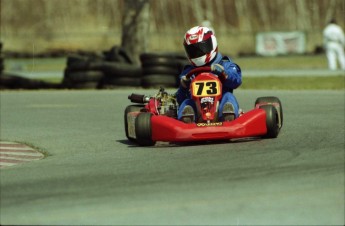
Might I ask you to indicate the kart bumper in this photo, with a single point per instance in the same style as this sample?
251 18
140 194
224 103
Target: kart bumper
250 124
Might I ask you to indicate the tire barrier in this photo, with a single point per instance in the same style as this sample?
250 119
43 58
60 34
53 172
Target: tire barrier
111 69
105 70
11 81
161 69
117 54
79 74
81 79
2 65
120 74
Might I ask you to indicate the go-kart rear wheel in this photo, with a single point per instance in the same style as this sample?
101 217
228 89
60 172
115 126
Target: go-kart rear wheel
271 100
272 122
131 108
143 129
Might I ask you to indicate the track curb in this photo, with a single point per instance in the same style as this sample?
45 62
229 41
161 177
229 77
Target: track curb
14 153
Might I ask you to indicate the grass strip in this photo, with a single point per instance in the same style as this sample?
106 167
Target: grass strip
294 83
279 82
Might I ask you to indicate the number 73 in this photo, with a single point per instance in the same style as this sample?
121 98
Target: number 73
206 88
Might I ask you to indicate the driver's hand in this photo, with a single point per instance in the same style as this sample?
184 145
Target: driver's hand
219 70
185 82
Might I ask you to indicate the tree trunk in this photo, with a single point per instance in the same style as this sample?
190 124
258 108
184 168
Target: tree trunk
135 27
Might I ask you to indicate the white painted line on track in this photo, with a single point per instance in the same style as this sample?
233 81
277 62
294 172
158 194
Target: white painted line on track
21 153
12 153
19 156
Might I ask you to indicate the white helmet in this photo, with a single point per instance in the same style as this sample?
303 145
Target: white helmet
200 45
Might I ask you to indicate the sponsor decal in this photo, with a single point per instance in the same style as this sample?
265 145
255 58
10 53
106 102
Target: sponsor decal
203 124
207 100
193 37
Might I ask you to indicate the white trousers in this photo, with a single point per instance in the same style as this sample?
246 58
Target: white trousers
335 51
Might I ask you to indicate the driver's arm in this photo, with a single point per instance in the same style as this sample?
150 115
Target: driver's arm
234 75
183 89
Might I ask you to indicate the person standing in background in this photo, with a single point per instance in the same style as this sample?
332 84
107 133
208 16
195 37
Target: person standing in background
334 42
207 23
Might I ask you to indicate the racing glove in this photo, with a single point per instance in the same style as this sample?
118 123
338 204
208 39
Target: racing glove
185 82
219 70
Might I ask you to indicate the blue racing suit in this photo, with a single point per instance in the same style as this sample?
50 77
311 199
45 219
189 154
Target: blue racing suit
233 81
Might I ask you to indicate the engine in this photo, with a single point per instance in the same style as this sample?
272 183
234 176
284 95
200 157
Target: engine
161 104
167 105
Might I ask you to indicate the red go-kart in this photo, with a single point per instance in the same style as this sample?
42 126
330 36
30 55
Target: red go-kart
155 118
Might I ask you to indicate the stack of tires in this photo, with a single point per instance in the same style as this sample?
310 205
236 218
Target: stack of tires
119 69
2 67
107 70
161 69
2 64
80 74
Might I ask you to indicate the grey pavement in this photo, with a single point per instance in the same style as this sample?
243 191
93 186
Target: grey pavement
93 175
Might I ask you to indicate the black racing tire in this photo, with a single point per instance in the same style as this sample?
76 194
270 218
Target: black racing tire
86 85
11 81
156 81
272 122
82 63
73 59
165 70
154 55
271 100
116 69
167 59
143 130
82 79
79 66
84 76
159 61
111 82
118 54
131 108
2 63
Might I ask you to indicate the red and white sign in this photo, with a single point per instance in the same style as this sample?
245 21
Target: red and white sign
280 43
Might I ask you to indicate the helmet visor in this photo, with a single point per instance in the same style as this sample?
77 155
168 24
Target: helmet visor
199 49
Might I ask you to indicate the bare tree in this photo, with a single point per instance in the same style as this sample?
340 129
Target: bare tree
135 27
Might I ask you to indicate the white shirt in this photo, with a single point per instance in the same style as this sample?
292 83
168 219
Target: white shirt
333 33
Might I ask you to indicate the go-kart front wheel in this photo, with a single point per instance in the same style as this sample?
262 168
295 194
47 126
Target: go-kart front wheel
129 109
272 122
143 129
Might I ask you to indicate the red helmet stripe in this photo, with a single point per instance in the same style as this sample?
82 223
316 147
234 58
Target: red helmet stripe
207 35
208 57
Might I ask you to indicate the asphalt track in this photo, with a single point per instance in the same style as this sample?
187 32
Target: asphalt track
94 176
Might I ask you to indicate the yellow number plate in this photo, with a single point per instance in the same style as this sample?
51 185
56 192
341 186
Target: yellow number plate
206 88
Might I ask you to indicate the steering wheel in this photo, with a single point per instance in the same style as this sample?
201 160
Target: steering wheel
197 71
